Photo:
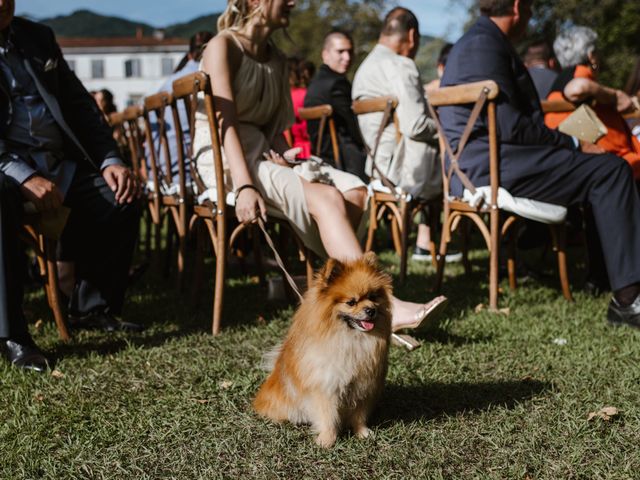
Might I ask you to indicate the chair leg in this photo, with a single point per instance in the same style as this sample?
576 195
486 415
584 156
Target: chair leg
404 239
465 233
494 258
558 234
199 263
53 293
396 233
511 262
444 236
221 259
169 248
373 218
434 225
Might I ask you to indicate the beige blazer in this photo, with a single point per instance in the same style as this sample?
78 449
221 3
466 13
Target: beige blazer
412 163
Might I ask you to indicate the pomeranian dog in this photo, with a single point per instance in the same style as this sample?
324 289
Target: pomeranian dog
331 367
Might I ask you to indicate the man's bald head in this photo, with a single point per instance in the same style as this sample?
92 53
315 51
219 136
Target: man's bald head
401 32
399 21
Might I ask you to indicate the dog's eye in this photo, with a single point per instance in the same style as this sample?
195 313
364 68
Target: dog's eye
351 302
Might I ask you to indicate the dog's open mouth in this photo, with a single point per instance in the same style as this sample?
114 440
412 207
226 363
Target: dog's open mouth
363 325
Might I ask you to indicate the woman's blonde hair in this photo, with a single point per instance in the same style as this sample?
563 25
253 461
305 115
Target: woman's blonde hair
238 13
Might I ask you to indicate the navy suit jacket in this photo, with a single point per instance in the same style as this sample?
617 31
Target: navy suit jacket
88 138
527 147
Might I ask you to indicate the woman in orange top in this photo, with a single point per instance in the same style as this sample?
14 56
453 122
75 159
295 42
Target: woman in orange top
577 83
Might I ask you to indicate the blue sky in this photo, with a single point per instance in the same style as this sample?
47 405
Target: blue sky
437 17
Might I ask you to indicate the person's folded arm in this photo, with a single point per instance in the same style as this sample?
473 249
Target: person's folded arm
579 90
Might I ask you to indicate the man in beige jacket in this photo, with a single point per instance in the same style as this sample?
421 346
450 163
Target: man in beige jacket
411 163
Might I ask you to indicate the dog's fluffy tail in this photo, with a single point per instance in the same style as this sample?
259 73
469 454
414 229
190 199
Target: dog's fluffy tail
270 357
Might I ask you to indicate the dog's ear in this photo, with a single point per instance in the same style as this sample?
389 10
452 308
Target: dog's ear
331 270
370 258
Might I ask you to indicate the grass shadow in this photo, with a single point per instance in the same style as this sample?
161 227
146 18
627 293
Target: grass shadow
425 402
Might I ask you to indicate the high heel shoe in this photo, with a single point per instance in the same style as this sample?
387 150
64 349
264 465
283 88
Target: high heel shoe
425 314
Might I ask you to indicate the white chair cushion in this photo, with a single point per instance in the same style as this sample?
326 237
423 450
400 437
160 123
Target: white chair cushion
375 185
532 209
211 194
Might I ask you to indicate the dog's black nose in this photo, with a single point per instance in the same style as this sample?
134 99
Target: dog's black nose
370 311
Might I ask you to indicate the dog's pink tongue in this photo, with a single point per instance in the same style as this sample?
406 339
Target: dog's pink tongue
367 325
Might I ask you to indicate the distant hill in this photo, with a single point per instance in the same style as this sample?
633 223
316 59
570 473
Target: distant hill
185 30
84 23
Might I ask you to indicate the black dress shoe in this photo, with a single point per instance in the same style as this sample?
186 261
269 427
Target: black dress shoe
103 321
629 315
25 355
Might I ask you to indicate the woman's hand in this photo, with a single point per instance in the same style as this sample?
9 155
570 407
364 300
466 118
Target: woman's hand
624 104
250 205
287 159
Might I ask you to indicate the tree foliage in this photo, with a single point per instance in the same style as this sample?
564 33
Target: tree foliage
617 23
312 19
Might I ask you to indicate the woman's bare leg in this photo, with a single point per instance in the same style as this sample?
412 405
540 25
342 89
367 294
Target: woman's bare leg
328 208
356 201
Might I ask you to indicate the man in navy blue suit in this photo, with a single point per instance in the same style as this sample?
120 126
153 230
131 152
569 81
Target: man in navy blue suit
539 163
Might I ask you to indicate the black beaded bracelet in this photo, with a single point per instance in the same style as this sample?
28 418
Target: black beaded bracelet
243 187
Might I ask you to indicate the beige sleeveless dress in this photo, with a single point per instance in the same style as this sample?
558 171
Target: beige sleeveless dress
264 108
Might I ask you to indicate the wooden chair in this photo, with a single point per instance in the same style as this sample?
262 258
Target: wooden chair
324 115
164 195
44 245
483 95
126 125
401 206
213 208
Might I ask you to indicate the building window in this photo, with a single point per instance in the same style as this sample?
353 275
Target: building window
97 68
135 99
72 65
133 68
167 66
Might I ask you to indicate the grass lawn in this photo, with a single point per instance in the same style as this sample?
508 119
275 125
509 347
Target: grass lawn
486 396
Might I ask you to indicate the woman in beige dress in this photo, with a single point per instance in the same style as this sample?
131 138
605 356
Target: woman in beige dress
250 84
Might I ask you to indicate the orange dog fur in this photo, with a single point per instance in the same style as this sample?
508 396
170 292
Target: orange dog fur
332 364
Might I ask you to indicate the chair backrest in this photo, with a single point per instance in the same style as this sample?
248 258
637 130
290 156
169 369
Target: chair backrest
324 115
130 121
157 106
387 106
477 94
187 90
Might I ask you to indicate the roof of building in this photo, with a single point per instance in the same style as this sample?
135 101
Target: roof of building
68 42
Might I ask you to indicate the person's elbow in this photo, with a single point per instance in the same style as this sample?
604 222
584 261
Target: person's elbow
579 89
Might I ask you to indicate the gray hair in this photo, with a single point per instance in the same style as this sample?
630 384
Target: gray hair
573 46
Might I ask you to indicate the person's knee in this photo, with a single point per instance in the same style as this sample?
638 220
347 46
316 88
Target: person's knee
358 197
325 199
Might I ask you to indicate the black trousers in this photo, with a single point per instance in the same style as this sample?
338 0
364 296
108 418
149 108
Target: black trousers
606 183
99 238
